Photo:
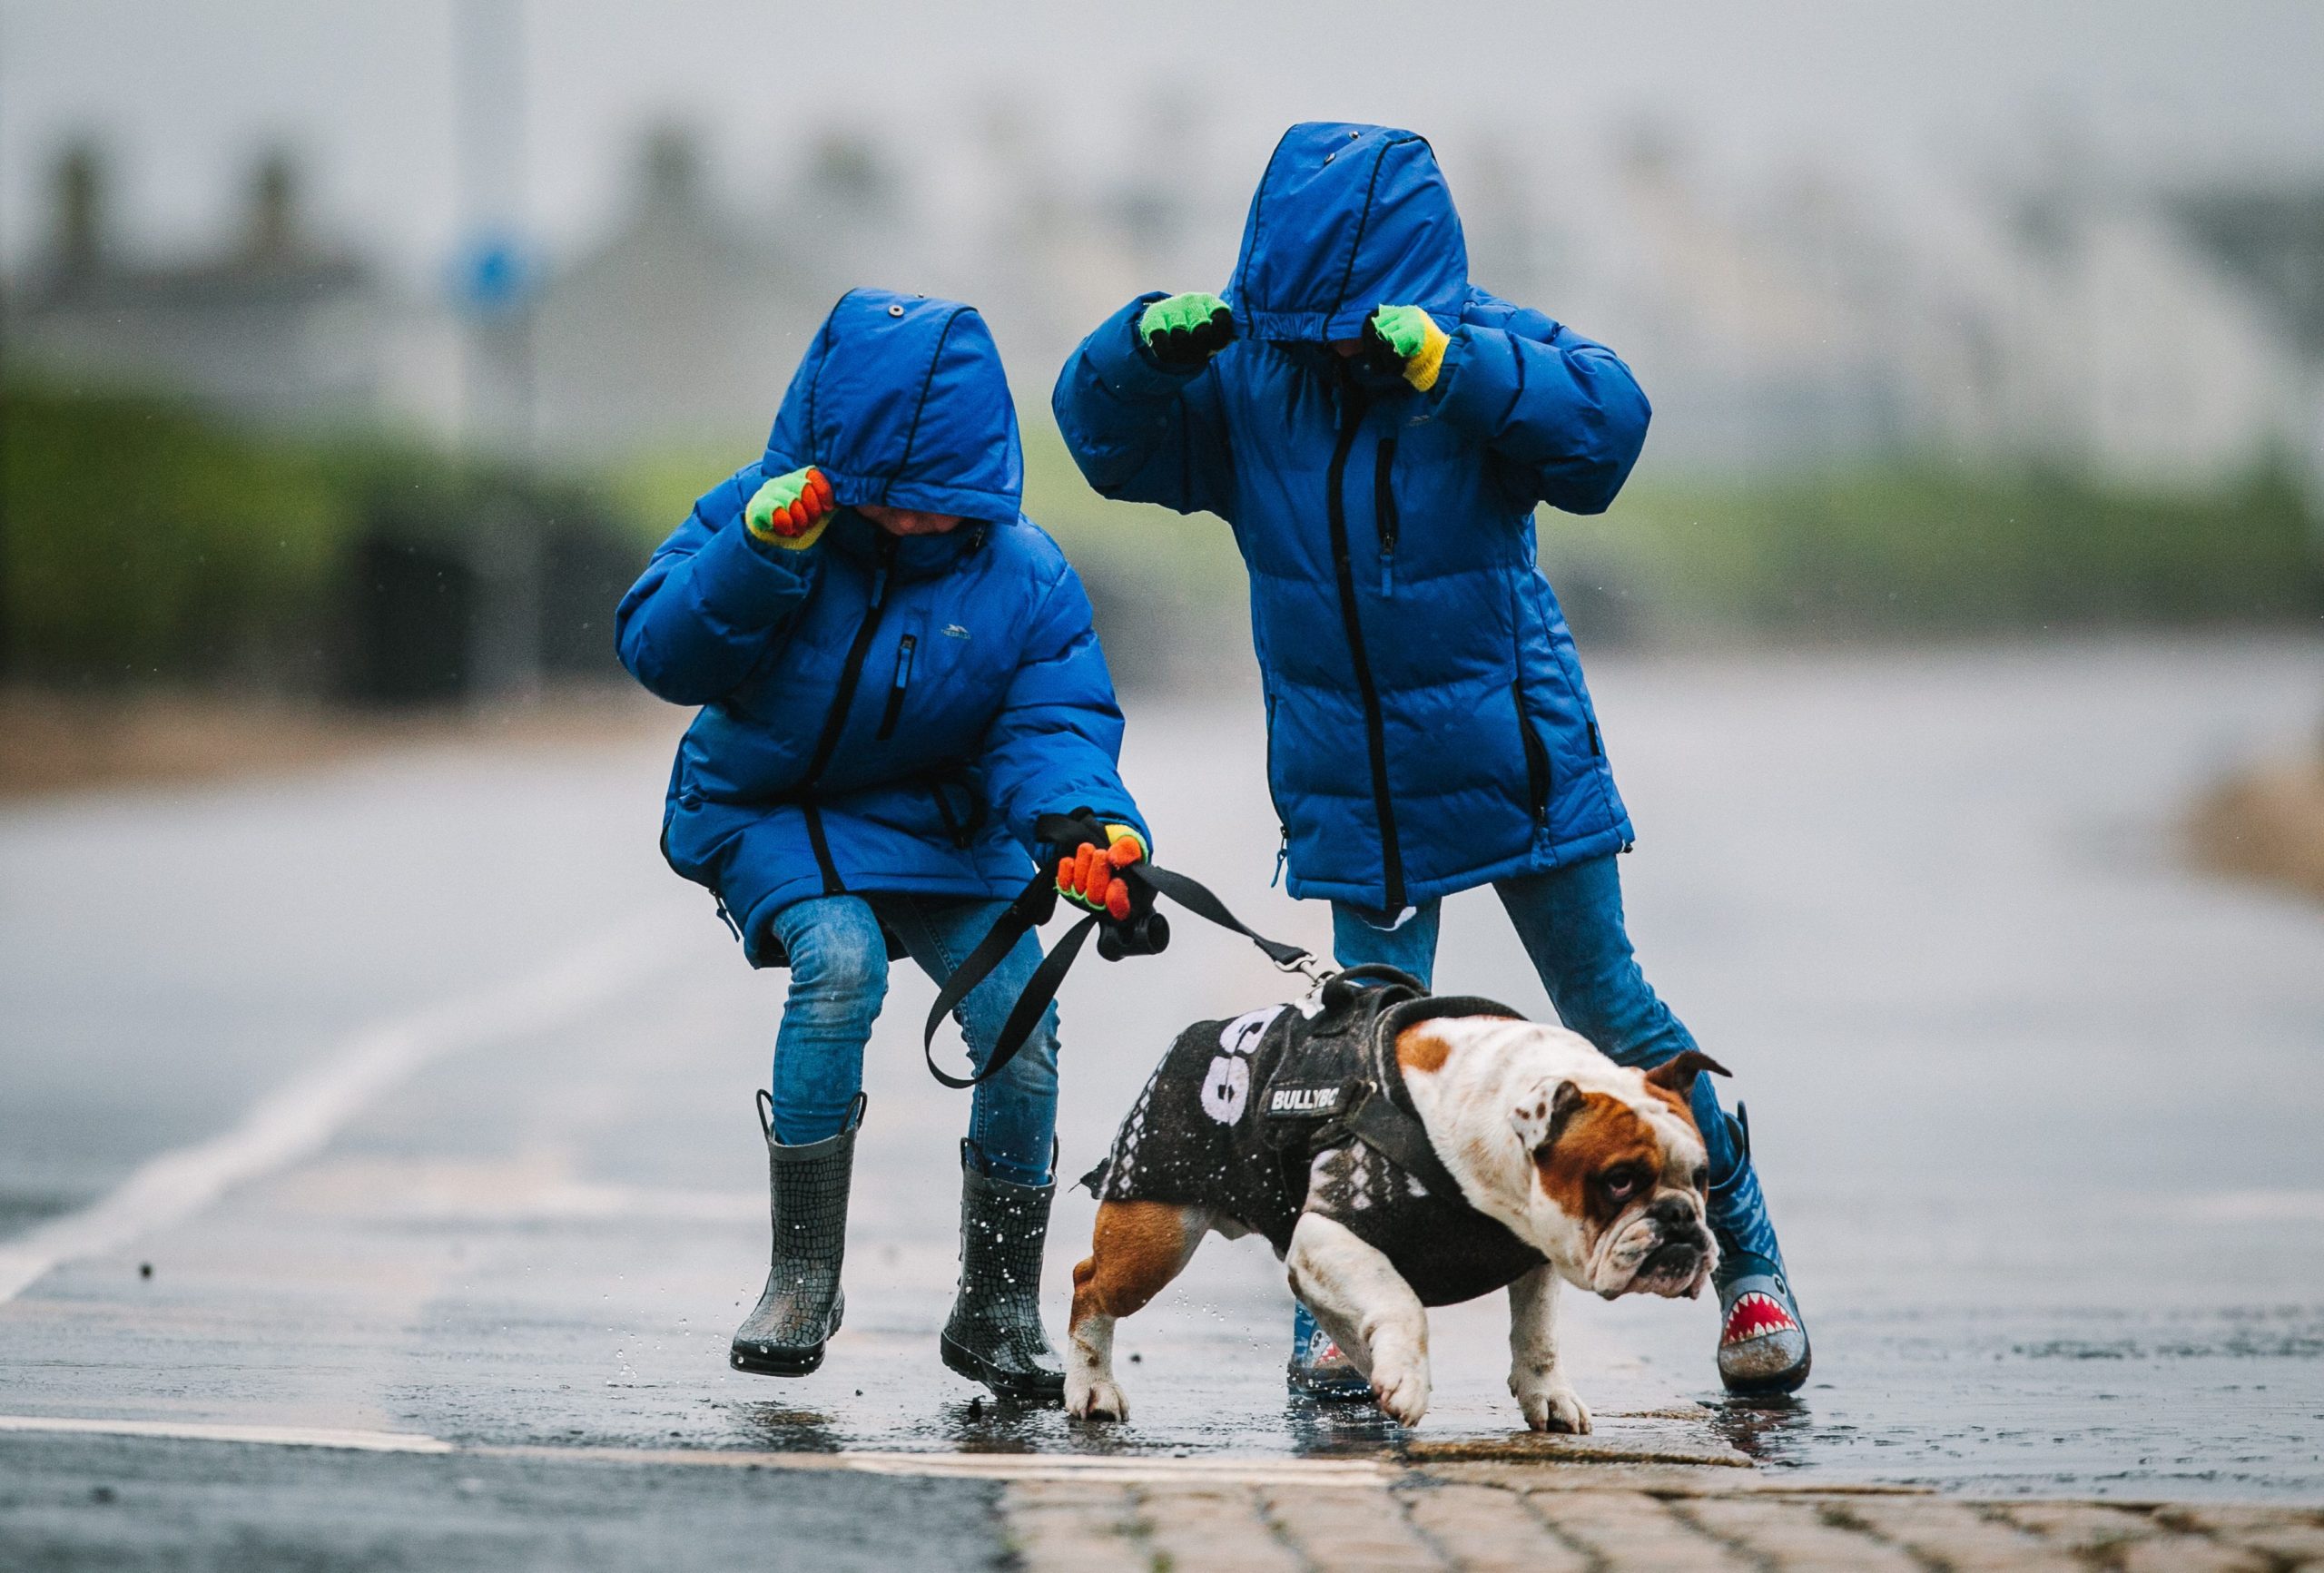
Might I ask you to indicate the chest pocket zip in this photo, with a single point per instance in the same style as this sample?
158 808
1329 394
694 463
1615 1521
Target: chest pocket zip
1384 511
895 708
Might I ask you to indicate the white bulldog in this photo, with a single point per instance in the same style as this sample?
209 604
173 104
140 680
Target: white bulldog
1570 1167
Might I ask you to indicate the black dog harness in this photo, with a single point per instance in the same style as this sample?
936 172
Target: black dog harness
1283 1110
1287 1110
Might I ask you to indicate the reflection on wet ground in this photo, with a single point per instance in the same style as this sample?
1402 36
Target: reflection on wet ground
2034 1104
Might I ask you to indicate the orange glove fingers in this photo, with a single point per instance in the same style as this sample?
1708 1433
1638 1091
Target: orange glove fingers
818 495
1118 900
1125 853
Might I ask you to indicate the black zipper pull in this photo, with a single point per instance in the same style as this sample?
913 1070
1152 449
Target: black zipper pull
1282 857
1384 512
894 711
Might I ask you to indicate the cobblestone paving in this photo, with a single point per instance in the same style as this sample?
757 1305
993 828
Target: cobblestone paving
1503 1520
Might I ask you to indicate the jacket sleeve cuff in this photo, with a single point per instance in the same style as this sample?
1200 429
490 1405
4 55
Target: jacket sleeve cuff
744 587
1127 370
1466 393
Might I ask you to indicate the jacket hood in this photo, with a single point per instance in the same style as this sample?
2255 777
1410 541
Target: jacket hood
902 401
1348 218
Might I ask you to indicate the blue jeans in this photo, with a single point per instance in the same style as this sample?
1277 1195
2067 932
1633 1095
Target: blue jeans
838 977
1571 922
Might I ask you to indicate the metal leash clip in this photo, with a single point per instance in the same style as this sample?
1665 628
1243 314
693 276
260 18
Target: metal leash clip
1317 972
1309 1005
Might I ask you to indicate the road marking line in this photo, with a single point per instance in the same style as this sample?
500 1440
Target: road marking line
296 1120
201 1432
1123 1468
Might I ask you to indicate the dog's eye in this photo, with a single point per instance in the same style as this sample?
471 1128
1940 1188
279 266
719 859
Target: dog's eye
1702 1178
1621 1183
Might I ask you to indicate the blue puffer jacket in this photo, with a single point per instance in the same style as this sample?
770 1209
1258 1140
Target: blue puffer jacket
1428 728
879 713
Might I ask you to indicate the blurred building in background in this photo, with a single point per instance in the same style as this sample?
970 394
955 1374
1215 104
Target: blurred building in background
2074 322
2153 336
279 326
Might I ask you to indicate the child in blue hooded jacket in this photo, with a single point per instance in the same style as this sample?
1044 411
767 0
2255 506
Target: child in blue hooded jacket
897 678
1378 431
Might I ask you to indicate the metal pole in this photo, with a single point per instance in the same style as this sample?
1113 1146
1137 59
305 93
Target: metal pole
7 579
498 416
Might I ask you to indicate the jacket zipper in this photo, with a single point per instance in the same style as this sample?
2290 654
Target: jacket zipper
1375 734
852 673
1537 756
1283 849
1384 512
888 716
850 676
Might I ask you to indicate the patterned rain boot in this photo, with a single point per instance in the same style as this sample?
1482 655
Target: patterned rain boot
801 1305
1317 1367
1762 1342
995 1334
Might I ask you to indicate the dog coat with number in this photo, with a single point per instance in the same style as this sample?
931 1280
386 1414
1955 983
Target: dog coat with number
1245 1118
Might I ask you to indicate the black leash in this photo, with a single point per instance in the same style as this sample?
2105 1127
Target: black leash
1145 932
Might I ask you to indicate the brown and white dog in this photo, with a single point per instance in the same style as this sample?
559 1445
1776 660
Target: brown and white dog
1596 1168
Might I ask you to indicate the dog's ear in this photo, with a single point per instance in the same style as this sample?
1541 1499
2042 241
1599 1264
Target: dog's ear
1541 1116
1678 1073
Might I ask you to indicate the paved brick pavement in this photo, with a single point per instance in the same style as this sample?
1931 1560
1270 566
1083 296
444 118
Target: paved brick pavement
1593 1520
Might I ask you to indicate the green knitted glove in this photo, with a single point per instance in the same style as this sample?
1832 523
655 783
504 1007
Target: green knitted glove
1186 331
791 510
1406 340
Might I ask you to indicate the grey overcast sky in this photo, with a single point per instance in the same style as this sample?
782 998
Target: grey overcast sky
183 91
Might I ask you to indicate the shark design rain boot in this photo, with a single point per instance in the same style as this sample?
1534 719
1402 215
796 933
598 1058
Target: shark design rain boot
1762 1342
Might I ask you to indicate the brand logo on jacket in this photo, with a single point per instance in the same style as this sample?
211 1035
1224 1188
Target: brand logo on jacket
1303 1100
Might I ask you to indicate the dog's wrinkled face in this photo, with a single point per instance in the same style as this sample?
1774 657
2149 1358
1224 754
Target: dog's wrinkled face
1622 1182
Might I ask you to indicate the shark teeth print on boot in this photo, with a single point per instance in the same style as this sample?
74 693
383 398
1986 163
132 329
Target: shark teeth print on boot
801 1305
1762 1338
1318 1367
1762 1347
995 1334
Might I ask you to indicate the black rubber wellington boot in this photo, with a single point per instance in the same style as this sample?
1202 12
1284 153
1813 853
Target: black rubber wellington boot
995 1333
807 1195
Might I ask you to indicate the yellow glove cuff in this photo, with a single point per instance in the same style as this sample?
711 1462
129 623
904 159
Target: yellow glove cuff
1426 362
798 543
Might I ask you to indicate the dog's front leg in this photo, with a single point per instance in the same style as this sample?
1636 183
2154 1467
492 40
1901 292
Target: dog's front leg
1535 1379
1135 1250
1365 1302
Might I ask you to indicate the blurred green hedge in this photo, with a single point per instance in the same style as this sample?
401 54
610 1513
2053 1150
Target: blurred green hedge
1930 548
143 540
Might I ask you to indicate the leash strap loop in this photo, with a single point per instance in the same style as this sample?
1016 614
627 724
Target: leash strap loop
1142 933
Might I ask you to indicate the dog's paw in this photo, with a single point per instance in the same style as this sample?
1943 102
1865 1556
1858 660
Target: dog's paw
1400 1389
1556 1407
1095 1399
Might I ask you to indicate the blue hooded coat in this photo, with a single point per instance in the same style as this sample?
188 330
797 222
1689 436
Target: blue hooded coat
1428 728
878 712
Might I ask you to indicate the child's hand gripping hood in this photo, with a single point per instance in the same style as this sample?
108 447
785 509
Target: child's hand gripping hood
902 401
1348 218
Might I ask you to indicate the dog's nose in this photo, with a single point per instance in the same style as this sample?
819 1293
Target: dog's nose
1673 1212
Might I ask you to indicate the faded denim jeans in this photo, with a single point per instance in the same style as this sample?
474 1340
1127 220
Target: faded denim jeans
838 977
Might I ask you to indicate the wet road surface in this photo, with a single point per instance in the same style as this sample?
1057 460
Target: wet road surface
2036 1105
